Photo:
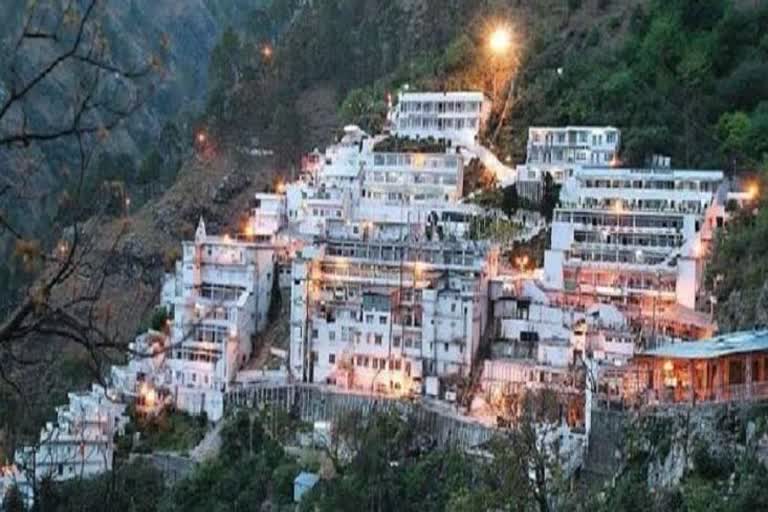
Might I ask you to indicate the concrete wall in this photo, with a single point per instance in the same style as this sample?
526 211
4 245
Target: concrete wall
606 439
315 403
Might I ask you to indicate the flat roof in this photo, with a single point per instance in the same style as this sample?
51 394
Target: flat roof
725 344
439 95
571 127
307 479
635 172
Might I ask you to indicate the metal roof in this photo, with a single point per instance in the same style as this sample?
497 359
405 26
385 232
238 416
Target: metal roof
306 479
719 346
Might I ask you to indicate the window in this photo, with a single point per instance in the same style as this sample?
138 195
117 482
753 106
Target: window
331 358
396 341
369 319
332 335
445 347
378 339
375 364
314 334
453 307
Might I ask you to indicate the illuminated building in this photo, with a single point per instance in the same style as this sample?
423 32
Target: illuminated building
80 443
218 299
381 315
454 116
637 237
562 151
727 368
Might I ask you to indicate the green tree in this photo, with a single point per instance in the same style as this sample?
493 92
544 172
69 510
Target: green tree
550 197
510 201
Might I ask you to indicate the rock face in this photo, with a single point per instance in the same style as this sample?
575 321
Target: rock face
675 441
744 311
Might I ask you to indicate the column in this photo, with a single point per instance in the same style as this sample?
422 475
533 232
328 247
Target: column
692 381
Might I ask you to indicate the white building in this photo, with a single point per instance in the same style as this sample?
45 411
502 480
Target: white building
268 216
218 299
562 151
80 443
380 185
635 236
380 315
454 116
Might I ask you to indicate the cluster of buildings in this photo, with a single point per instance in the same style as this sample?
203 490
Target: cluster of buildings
392 293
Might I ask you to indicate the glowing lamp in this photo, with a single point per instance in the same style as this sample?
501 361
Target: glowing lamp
753 190
500 40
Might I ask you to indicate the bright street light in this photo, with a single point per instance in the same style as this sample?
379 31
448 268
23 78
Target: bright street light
500 40
753 191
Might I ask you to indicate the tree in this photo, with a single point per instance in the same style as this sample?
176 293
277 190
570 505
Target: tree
67 266
276 299
549 198
510 201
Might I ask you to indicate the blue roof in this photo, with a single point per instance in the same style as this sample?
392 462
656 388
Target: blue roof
725 344
306 479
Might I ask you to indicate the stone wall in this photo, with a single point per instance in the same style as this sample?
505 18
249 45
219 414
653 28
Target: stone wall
317 403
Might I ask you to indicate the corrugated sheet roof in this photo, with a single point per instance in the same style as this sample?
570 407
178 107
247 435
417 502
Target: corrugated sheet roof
719 346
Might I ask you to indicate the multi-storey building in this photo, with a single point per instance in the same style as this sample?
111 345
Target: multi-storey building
218 299
81 441
635 236
268 216
561 151
377 183
454 116
381 315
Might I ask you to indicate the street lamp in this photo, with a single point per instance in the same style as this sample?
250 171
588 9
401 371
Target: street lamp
500 48
500 40
753 190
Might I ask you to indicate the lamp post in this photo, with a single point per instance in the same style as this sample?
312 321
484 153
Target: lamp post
499 45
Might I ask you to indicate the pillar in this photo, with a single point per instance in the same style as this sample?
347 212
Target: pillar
748 377
692 382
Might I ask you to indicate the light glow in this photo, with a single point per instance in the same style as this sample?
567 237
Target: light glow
500 40
753 191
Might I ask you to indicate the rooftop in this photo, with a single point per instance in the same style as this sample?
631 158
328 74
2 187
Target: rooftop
437 96
395 144
614 172
719 346
306 479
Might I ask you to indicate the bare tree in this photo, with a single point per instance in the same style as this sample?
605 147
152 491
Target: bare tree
59 47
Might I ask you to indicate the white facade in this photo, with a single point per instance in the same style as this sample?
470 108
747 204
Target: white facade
361 183
80 442
218 298
378 316
562 151
455 116
268 215
633 233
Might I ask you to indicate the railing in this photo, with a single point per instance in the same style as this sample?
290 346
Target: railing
754 391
